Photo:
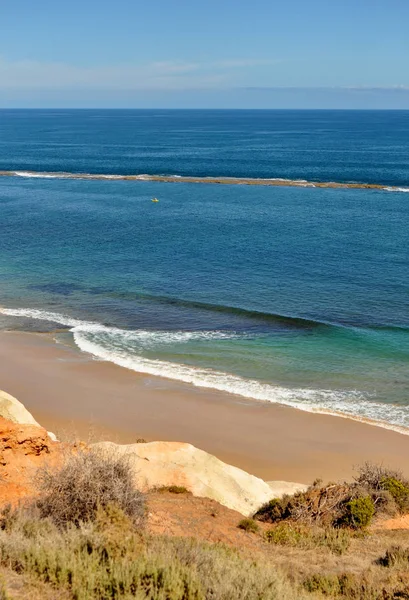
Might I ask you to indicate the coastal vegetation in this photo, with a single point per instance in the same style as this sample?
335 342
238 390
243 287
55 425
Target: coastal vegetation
85 535
375 491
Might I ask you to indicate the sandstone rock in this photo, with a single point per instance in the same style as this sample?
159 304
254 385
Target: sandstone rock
158 464
13 410
23 448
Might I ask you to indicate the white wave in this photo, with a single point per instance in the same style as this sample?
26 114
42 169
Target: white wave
396 189
144 338
38 175
120 346
43 315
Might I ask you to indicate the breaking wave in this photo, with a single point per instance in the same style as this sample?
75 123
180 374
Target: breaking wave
125 347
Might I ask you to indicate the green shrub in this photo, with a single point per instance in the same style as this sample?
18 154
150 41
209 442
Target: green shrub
172 489
87 481
398 490
285 534
272 511
347 585
336 541
248 525
328 585
358 512
177 489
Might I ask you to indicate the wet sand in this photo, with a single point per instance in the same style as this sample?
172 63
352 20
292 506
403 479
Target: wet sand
70 393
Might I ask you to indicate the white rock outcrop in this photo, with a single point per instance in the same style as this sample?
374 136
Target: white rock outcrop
158 464
13 410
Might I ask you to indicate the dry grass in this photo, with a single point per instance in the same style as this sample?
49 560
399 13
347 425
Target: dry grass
3 591
24 587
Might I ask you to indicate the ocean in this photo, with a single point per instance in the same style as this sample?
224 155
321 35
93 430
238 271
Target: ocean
291 295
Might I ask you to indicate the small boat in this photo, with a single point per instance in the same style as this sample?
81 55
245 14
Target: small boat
155 200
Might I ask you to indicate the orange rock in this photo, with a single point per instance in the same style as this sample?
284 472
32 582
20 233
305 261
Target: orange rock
23 448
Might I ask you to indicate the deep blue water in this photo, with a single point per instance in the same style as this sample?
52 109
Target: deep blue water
292 295
362 146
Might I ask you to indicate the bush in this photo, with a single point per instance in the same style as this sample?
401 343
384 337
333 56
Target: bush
358 513
284 534
87 481
348 585
385 490
248 525
272 511
336 541
372 476
328 585
321 506
398 490
174 489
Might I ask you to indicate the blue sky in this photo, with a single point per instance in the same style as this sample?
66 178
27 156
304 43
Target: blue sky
216 54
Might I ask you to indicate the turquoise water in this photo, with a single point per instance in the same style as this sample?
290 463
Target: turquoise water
289 295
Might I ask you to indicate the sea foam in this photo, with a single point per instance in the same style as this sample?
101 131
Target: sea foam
35 175
396 189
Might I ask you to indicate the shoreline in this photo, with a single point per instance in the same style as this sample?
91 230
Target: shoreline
67 390
277 182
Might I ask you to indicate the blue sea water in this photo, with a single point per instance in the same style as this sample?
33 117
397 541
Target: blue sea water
291 295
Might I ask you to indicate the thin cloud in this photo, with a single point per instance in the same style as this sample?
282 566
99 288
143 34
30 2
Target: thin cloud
246 62
28 74
362 89
394 89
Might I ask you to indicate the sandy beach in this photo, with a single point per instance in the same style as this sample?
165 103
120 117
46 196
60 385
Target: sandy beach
72 394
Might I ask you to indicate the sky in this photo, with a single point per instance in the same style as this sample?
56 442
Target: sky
207 54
